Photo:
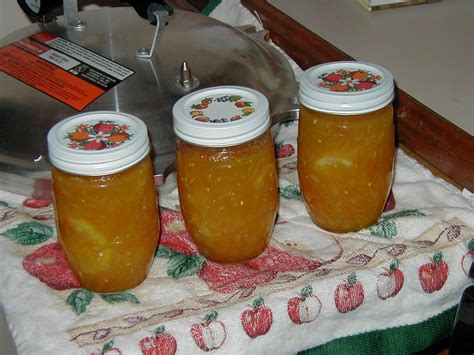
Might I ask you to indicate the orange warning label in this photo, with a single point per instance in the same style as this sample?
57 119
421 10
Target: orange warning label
47 78
61 69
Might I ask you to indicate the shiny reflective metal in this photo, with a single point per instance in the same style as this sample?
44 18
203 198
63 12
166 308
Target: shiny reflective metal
145 52
217 53
185 76
71 15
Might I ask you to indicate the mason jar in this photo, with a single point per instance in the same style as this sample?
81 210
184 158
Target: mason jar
226 171
345 143
105 199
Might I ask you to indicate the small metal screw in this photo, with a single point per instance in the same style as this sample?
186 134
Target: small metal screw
79 25
185 80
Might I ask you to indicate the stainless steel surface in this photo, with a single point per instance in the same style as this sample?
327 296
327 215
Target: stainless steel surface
218 55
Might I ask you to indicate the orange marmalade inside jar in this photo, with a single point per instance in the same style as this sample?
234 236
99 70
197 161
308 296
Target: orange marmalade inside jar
229 197
346 144
226 171
105 201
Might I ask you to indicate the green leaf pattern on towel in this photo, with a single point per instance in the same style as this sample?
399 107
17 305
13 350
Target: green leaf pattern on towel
387 228
79 300
119 297
180 265
29 233
291 192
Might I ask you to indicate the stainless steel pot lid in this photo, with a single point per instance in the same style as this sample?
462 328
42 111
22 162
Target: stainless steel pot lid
217 54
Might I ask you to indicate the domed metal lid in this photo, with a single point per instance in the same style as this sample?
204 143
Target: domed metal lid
216 53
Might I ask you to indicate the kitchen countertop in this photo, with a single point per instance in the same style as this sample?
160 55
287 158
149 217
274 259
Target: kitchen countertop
424 46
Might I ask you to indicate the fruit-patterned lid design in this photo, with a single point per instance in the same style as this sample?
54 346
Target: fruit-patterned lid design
221 116
221 109
97 135
348 80
346 88
97 143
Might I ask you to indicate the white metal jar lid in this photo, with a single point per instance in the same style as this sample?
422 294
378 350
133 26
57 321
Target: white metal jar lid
221 116
346 88
98 143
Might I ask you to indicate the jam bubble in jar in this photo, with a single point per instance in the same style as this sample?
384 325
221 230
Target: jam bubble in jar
105 198
345 143
226 171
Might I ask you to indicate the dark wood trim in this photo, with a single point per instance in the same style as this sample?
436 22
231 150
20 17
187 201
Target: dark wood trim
185 5
443 145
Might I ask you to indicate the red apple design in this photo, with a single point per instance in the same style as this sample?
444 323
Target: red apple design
273 259
94 145
36 202
173 233
433 275
304 308
468 258
228 278
258 320
349 295
333 77
210 334
201 106
103 127
161 343
49 265
390 282
365 85
284 150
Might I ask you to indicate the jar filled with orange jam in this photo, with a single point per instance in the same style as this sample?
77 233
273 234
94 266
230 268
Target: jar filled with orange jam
346 143
226 171
105 199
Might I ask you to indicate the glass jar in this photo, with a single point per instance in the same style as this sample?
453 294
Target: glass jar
346 143
105 199
226 171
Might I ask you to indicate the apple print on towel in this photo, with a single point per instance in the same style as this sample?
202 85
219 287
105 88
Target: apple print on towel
349 295
390 282
304 308
258 320
49 265
210 334
184 260
160 343
284 150
433 275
